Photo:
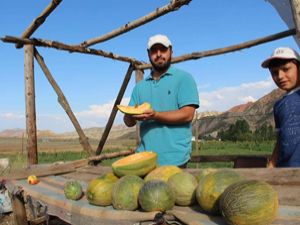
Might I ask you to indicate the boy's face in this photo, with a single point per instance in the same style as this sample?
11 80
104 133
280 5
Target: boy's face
286 76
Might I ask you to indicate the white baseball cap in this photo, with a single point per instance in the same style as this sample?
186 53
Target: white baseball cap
281 53
159 39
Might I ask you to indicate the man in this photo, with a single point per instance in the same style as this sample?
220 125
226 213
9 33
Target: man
172 93
284 68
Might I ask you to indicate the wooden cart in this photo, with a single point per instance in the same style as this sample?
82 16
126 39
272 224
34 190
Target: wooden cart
47 198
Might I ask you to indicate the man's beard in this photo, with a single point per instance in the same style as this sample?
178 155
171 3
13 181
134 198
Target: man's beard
161 67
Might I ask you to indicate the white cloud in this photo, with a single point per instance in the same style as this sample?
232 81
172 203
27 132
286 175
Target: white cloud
97 115
12 116
225 98
100 111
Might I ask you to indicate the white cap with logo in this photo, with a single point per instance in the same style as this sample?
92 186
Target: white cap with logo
281 53
159 39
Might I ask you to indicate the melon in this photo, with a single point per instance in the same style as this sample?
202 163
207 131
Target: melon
136 164
73 190
125 192
162 173
208 191
134 110
184 186
249 202
203 172
156 195
99 190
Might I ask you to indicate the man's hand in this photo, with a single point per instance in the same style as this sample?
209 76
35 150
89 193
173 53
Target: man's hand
149 114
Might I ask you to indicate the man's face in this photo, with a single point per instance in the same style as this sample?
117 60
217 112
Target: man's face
160 57
286 76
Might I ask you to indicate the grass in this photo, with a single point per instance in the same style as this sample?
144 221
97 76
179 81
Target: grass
69 150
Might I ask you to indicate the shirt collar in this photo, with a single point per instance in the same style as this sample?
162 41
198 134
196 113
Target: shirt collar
169 72
293 91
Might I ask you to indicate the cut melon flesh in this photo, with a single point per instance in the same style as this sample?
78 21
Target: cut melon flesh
134 110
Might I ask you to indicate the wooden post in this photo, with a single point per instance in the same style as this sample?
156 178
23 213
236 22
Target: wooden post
295 5
114 109
139 75
19 211
64 103
196 137
30 106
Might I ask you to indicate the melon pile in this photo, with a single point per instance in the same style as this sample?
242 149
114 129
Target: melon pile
137 183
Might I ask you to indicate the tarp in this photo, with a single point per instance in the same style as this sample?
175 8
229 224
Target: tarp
284 9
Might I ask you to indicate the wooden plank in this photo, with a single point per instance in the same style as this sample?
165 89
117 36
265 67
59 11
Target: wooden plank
40 171
50 192
114 109
83 140
225 158
295 5
232 48
18 206
39 20
172 6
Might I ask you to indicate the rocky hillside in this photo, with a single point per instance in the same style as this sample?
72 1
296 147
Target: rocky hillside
255 114
208 123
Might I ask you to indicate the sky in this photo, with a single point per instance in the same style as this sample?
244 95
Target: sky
91 83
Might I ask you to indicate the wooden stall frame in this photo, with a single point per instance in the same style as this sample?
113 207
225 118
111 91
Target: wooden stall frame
134 64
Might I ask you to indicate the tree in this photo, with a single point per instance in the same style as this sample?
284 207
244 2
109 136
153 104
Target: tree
240 131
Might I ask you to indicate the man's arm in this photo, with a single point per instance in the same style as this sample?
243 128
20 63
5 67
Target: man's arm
182 115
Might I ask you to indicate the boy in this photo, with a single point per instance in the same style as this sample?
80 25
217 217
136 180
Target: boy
284 68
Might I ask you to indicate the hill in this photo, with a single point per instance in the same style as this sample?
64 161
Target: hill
209 123
255 114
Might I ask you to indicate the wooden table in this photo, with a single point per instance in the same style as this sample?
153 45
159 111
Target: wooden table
49 194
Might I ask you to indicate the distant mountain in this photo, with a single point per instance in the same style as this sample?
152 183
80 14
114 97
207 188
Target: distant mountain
208 123
241 108
255 114
93 133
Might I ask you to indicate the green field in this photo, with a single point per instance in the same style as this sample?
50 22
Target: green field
51 151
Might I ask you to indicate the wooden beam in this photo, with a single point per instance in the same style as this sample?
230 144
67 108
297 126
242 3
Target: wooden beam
18 206
70 48
39 20
223 158
114 109
295 5
30 106
172 6
139 64
232 48
64 103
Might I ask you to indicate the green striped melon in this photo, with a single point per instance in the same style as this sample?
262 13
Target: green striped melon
73 190
125 192
203 172
156 195
208 191
138 164
99 190
184 186
249 202
162 173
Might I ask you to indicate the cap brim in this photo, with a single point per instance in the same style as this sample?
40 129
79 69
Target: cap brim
158 43
265 64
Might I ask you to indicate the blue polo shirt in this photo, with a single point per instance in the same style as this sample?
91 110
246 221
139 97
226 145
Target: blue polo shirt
175 89
287 123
